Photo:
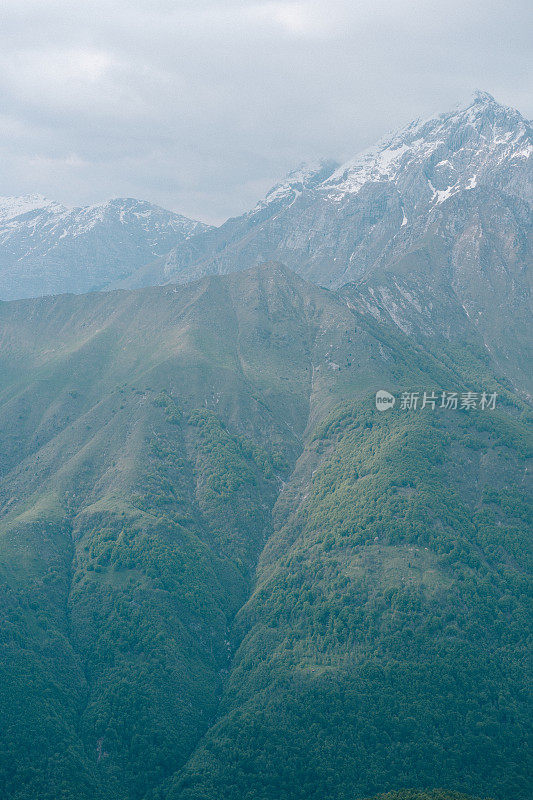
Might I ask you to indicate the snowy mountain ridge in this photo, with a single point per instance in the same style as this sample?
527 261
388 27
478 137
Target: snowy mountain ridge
46 248
489 134
307 175
13 207
428 161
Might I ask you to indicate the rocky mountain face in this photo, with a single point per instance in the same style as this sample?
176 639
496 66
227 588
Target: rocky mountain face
225 574
468 272
441 209
46 248
335 224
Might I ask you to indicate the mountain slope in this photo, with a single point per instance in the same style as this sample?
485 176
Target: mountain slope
335 224
447 200
466 278
374 648
225 574
46 248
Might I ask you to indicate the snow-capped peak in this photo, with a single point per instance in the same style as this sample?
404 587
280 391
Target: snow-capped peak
479 96
32 210
451 151
46 248
13 207
305 176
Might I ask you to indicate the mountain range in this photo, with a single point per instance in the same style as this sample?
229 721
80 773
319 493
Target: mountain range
440 210
46 248
225 570
333 223
433 224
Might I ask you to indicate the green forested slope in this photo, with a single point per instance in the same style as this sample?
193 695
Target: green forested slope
384 642
224 574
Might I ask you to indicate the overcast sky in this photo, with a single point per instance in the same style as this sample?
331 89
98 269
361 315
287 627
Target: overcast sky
200 106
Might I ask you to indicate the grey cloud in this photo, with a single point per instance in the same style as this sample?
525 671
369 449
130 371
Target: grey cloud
200 106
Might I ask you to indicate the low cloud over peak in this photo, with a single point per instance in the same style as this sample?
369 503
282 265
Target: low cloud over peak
200 107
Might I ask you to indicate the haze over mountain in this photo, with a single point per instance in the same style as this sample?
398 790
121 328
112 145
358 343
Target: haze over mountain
46 248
